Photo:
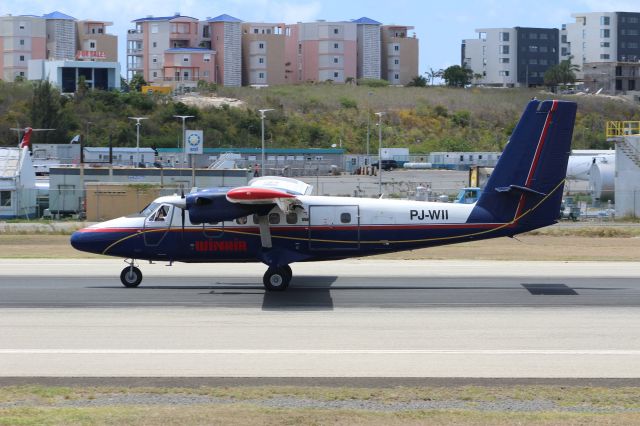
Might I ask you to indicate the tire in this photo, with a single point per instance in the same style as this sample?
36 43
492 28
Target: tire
131 277
277 279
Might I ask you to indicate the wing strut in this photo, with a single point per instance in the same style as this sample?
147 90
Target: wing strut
265 231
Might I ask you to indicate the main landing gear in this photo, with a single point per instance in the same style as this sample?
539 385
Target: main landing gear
131 276
277 279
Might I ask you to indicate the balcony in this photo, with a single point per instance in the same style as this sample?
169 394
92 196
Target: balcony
134 35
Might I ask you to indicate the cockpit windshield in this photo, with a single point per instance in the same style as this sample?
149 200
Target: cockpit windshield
149 209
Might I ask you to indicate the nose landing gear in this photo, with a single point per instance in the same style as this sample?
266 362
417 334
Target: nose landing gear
131 276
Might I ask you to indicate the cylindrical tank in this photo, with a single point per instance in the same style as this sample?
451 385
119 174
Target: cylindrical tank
602 181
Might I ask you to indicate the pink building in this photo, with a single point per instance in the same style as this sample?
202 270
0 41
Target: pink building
322 51
22 38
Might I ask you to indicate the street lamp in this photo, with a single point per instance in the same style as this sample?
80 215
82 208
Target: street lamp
138 119
380 114
184 144
262 115
368 128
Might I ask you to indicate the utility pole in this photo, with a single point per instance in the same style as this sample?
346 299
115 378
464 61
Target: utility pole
184 142
380 114
368 127
138 120
262 115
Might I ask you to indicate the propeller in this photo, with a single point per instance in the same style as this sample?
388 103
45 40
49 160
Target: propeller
182 210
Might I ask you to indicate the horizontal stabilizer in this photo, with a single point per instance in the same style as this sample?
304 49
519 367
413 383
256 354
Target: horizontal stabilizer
519 189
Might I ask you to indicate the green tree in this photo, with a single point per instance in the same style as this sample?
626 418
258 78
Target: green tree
46 112
562 74
457 76
418 81
136 82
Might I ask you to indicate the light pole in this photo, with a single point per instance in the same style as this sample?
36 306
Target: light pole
138 120
380 114
368 128
184 144
262 115
86 136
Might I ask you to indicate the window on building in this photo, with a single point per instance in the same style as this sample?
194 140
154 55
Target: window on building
154 59
633 20
256 31
544 36
336 46
92 45
261 75
21 73
504 49
605 33
21 42
205 74
396 61
605 56
185 58
544 62
335 60
154 28
533 61
206 57
605 20
261 60
5 198
335 31
205 31
504 36
261 46
396 76
543 49
504 73
22 25
533 36
396 48
604 44
504 60
155 73
563 38
336 74
565 51
21 58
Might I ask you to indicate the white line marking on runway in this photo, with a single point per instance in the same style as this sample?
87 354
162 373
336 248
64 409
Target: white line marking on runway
606 352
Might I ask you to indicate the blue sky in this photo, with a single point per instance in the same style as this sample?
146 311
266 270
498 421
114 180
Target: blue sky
440 26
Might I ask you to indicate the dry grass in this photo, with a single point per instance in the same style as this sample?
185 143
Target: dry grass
41 406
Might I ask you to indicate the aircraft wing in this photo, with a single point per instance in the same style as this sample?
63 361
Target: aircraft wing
270 190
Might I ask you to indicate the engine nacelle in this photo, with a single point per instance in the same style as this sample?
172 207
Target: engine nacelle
213 206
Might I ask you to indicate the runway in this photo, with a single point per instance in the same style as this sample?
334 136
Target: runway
362 318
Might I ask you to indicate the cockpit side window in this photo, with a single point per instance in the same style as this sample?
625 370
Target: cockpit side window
149 209
160 215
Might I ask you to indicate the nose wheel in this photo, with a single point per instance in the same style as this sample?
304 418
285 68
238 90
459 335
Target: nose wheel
277 279
131 277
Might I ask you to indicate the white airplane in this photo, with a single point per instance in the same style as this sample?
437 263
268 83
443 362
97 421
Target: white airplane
276 221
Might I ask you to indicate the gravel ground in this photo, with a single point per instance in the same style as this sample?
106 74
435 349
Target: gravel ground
284 402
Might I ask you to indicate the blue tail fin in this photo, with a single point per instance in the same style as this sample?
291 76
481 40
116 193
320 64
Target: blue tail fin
526 186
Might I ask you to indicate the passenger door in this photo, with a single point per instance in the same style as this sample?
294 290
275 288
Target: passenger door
334 228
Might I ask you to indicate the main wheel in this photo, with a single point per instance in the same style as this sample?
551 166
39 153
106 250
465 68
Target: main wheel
131 277
277 279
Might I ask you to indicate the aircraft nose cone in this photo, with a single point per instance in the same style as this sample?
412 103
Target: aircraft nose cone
80 241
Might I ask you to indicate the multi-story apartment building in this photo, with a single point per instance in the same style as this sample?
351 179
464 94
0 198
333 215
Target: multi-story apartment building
369 45
226 40
606 47
263 55
399 54
22 38
511 57
61 36
181 50
93 42
322 51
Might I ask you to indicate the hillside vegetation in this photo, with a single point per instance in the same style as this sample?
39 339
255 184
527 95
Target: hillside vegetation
318 116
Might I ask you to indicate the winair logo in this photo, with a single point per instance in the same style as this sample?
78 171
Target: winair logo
234 246
429 214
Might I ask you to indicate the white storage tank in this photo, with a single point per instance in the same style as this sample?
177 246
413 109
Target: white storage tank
602 181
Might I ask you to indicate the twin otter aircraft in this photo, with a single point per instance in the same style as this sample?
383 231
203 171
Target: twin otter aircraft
276 221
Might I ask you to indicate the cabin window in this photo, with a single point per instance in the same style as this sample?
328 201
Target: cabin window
345 218
256 220
274 218
241 220
292 218
5 198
